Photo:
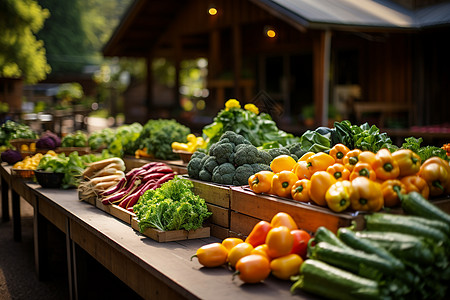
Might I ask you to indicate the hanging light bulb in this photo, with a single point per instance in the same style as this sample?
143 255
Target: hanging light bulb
212 10
270 32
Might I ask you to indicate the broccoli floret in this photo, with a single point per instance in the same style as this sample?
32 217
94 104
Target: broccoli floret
264 157
246 154
295 157
260 167
274 152
245 171
205 175
209 164
195 164
223 151
224 174
296 149
234 138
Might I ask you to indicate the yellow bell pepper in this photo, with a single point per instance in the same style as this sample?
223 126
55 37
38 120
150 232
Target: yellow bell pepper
301 170
408 162
391 189
417 184
320 182
385 166
351 159
286 266
339 171
282 163
319 162
261 182
369 195
340 195
338 152
282 183
363 169
300 190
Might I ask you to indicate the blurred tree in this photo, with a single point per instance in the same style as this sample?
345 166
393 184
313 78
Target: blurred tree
22 55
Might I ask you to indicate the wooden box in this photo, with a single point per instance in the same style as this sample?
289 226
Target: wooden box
249 208
173 235
116 211
217 198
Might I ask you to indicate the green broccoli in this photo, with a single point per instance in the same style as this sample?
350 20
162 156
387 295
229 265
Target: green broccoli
296 149
234 138
245 154
274 152
205 175
245 171
195 164
224 174
223 151
210 163
264 157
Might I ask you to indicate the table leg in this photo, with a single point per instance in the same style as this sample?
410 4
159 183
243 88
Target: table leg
5 200
40 243
79 271
70 261
17 225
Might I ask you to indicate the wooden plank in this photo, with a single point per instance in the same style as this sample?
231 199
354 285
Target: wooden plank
121 213
212 193
218 231
307 216
51 213
241 225
131 273
220 215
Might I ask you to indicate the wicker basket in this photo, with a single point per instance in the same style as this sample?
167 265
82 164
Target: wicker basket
17 143
22 173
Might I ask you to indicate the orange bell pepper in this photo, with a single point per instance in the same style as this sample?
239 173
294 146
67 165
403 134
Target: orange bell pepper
306 156
369 196
252 268
363 169
436 176
445 164
320 182
282 163
258 234
338 152
351 158
261 182
283 219
301 239
408 162
301 170
417 184
279 241
212 255
237 252
391 189
319 162
282 183
340 195
286 266
300 190
385 166
339 171
367 157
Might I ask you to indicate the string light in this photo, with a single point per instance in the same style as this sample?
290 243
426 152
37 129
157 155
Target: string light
270 32
212 10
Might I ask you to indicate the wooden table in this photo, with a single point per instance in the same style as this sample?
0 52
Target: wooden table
152 269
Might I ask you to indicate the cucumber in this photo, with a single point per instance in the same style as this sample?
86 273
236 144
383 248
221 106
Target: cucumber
397 223
415 204
403 246
323 234
350 239
330 282
355 261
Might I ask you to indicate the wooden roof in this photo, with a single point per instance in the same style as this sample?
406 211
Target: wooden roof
146 22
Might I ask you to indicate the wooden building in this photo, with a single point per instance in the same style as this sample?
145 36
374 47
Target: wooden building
358 56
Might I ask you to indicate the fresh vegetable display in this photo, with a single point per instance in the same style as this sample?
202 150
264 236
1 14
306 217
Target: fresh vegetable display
48 140
277 248
101 139
127 192
11 130
124 139
157 137
174 206
11 156
394 257
193 143
232 160
76 139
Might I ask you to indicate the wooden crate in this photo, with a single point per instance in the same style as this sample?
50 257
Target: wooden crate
173 235
248 207
177 165
116 211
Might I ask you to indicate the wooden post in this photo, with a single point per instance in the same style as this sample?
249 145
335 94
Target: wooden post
177 63
149 96
321 67
237 57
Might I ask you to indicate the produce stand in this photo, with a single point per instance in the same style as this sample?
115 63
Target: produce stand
152 269
178 166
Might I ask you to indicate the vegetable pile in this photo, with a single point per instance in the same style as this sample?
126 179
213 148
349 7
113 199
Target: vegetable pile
11 130
172 206
232 160
101 139
136 182
76 139
11 156
396 257
48 140
277 248
360 180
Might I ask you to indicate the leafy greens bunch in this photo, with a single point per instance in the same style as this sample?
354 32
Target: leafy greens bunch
158 135
172 206
12 130
424 152
257 128
124 138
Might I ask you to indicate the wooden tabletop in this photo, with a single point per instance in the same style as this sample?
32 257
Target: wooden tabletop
152 269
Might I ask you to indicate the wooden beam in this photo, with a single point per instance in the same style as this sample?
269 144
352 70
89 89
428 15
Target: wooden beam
321 67
237 55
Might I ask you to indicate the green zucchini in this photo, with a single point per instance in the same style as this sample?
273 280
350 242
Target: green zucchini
398 223
330 282
415 204
323 234
350 239
403 246
355 261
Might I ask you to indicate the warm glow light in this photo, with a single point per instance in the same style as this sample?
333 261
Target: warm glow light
271 33
212 11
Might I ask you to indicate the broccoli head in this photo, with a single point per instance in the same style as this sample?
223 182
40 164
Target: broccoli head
274 152
210 163
264 157
245 171
223 151
296 149
224 174
205 175
234 138
245 154
195 164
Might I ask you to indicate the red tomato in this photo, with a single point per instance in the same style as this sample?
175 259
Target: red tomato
301 239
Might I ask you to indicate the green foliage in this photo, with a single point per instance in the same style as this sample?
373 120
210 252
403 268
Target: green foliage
173 206
12 130
424 152
124 139
22 55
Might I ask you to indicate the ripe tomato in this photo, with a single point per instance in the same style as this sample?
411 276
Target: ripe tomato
301 239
